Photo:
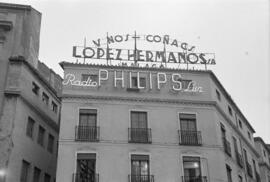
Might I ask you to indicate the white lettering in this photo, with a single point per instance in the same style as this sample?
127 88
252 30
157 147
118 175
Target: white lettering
119 79
100 78
176 81
159 81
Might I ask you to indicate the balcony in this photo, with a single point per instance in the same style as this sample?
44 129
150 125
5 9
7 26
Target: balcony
87 133
141 178
227 147
80 177
194 179
249 170
139 135
239 159
189 137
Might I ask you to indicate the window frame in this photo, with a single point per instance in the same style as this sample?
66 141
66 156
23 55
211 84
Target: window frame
25 179
50 146
45 98
32 129
35 88
43 137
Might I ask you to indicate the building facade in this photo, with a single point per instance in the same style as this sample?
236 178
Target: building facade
264 161
29 100
132 124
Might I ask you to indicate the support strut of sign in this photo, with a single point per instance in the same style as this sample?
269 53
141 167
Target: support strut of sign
84 45
107 35
164 49
135 47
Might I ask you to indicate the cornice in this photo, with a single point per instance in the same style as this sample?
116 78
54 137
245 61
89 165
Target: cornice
21 60
137 99
48 120
259 139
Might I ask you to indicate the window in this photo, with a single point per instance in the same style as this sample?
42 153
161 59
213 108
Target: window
218 95
240 179
186 83
138 119
86 167
240 123
192 169
88 117
139 131
87 129
47 178
229 173
54 107
30 127
264 153
254 167
25 171
89 77
249 137
35 88
41 133
230 110
188 134
50 143
45 98
134 82
226 143
36 175
188 122
140 169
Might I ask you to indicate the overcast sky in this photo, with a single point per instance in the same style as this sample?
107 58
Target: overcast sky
237 31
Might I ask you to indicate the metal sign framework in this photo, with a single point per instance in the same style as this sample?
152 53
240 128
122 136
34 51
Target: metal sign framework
164 58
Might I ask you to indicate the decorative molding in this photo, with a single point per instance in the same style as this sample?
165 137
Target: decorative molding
137 99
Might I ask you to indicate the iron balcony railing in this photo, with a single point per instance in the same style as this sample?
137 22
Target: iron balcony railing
81 177
239 159
258 178
194 179
87 133
189 137
227 147
249 170
139 135
141 178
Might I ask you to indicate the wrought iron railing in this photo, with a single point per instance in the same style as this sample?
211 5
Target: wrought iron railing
194 179
87 133
239 159
141 178
139 135
249 170
227 147
189 137
81 177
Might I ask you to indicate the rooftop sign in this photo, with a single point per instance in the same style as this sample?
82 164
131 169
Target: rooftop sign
173 53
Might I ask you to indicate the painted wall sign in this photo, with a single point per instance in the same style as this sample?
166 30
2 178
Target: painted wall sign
125 80
173 52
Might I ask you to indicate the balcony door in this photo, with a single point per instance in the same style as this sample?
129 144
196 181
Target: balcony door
86 168
87 129
139 130
140 168
188 129
192 169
